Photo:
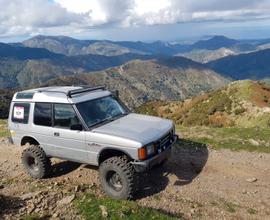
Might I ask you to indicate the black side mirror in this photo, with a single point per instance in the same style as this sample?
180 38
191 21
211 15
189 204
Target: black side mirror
76 127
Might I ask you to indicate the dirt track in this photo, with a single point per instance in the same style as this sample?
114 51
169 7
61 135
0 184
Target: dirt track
197 183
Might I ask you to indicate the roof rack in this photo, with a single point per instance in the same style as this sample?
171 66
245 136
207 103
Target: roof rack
83 90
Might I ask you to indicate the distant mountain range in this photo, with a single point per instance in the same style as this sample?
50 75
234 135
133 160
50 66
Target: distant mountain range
70 46
24 53
253 65
219 46
42 58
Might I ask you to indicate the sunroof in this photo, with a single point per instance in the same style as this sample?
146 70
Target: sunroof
25 95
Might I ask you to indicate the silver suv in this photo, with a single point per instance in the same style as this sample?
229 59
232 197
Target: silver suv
91 126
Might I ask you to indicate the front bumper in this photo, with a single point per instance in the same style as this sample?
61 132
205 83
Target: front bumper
141 166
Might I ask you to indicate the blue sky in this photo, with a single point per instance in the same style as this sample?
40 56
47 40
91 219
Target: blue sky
145 20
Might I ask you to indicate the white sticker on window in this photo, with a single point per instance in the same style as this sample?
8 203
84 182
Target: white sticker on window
18 112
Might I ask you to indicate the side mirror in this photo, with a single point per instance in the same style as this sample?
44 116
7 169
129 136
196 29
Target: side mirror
76 127
116 93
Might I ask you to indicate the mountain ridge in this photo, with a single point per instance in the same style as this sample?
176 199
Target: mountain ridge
253 65
142 80
242 104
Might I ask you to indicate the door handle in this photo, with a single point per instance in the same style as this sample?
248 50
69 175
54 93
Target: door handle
56 134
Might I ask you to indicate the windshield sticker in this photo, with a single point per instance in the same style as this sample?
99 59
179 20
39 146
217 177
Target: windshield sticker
18 112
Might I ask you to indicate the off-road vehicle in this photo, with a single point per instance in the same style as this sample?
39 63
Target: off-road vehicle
90 126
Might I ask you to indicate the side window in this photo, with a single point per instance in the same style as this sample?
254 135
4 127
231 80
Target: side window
64 116
43 114
20 113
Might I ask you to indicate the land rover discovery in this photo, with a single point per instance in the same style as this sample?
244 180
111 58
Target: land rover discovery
91 126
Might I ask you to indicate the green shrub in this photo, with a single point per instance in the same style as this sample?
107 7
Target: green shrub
239 111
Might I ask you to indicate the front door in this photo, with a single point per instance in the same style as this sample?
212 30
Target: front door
69 144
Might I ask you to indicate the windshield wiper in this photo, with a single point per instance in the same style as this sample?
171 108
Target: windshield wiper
109 119
120 115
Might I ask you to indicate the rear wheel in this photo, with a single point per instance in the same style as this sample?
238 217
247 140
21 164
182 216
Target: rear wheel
35 162
117 177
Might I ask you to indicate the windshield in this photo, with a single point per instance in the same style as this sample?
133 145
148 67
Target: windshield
100 110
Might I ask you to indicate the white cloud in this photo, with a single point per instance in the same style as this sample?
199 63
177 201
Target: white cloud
22 17
150 12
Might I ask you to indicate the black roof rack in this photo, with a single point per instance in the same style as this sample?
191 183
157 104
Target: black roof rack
83 90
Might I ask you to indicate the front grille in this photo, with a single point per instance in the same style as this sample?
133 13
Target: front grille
164 142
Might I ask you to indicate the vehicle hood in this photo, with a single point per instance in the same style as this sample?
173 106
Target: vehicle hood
141 128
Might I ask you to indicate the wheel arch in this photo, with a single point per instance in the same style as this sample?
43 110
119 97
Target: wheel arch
29 139
111 152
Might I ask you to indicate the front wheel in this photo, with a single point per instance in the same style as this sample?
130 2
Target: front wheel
117 177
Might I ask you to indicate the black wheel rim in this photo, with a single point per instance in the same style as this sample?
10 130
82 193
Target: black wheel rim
114 181
32 164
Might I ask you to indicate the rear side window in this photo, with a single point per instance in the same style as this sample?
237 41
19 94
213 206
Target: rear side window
43 114
20 113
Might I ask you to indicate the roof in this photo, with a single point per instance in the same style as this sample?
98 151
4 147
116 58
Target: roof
61 94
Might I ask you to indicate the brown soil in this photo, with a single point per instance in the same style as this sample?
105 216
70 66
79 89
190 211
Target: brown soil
196 183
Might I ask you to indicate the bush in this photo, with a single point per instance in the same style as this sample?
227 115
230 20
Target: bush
239 111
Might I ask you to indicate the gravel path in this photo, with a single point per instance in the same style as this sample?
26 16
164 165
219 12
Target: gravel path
196 183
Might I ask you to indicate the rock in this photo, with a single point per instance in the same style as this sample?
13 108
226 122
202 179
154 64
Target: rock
254 142
251 180
2 186
192 211
28 196
55 215
66 200
104 211
244 191
30 208
77 188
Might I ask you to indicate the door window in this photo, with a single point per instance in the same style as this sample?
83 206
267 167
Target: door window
65 116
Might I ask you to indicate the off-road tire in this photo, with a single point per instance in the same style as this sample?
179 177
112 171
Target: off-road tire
126 173
35 162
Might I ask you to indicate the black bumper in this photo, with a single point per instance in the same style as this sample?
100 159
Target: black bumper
141 166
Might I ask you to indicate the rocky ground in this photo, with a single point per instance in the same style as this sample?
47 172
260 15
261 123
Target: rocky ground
196 183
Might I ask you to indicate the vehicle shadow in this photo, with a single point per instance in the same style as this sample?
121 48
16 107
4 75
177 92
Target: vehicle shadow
10 205
186 163
63 168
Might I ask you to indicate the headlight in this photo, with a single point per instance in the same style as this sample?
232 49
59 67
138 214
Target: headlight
150 149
